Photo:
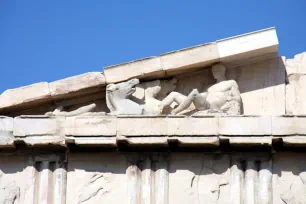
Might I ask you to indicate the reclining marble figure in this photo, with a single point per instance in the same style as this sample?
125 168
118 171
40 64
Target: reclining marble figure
154 91
222 97
118 97
59 111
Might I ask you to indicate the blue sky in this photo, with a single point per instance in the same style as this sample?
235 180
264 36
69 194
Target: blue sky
44 40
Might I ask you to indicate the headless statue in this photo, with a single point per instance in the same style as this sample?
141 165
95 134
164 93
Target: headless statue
154 90
222 97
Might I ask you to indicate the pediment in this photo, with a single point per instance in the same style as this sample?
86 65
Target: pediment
200 96
185 64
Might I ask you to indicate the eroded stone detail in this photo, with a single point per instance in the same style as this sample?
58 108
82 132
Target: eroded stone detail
212 178
83 110
296 87
221 98
295 192
9 192
95 183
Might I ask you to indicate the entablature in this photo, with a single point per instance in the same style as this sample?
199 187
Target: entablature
142 131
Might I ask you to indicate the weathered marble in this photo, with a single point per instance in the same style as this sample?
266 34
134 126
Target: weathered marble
21 97
262 86
118 98
247 46
76 85
296 87
155 130
47 126
99 179
147 67
6 131
288 178
223 97
189 58
143 178
236 136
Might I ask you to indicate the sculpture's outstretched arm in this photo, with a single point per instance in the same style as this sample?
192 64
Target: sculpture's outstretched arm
83 109
79 111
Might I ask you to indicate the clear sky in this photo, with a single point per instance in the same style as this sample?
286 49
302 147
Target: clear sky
47 40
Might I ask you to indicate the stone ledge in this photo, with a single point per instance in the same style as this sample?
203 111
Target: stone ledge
248 141
289 125
93 141
91 126
35 126
254 46
245 125
154 126
142 126
42 141
23 97
248 46
165 140
155 130
193 57
154 141
294 141
72 86
192 126
144 68
164 126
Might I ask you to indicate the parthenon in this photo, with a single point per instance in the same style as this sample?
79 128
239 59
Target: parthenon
217 123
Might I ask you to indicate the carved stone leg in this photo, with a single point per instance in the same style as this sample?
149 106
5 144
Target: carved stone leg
186 102
172 97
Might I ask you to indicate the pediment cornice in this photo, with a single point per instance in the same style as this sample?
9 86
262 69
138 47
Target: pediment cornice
234 51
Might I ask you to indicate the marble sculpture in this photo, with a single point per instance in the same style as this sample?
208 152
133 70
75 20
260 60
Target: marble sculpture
223 97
